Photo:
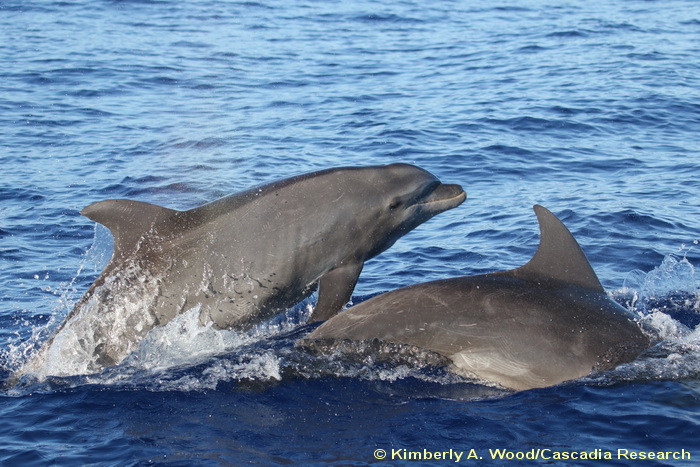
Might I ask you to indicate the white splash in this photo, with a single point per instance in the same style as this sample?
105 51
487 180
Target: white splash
72 350
655 296
672 276
183 355
25 355
183 341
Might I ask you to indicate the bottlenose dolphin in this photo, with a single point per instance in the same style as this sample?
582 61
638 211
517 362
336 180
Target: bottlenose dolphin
546 322
240 259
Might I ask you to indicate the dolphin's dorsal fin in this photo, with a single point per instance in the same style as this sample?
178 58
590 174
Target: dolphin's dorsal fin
559 257
128 221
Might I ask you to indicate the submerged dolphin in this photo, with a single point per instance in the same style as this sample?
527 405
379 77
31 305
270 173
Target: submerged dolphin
546 322
243 258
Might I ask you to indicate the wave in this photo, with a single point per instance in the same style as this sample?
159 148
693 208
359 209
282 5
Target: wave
185 356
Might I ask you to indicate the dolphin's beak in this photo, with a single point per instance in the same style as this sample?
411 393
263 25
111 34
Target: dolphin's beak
444 197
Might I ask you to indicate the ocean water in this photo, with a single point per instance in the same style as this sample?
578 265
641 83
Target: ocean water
590 108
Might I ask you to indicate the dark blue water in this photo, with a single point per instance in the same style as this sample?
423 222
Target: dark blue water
590 108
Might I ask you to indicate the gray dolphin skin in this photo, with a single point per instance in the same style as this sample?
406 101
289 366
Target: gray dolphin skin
243 258
541 324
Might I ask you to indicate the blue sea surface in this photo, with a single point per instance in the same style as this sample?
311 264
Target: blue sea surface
590 108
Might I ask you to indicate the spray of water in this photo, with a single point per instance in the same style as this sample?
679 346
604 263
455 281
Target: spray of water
184 355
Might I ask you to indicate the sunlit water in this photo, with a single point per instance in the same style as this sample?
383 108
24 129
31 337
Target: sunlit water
591 109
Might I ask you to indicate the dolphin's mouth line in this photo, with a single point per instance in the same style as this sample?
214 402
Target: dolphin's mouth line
445 194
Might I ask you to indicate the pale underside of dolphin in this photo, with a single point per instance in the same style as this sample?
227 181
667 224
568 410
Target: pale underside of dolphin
541 324
243 258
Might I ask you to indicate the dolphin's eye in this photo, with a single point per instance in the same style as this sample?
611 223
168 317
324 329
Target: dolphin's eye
395 203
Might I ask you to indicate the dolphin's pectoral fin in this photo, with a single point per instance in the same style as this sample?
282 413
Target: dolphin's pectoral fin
334 291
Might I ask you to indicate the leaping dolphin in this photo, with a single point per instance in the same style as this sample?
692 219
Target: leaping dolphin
240 259
546 322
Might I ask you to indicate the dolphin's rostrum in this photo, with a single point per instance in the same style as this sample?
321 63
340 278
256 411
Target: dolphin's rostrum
240 259
546 322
